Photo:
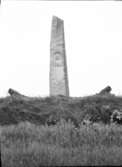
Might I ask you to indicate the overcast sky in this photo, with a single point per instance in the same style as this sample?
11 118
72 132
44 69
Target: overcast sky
93 34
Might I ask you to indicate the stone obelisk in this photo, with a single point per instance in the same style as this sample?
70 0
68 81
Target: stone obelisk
58 66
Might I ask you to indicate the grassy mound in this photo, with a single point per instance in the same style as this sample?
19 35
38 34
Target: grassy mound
51 109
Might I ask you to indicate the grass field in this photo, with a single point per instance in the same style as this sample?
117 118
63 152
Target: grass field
30 145
48 131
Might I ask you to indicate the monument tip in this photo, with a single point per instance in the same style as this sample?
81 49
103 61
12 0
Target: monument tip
56 18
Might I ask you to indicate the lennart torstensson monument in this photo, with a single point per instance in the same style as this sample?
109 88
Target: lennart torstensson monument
58 65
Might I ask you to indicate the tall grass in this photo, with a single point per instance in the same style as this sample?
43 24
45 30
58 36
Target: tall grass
29 145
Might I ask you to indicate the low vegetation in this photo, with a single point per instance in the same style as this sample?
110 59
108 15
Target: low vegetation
51 109
30 145
49 131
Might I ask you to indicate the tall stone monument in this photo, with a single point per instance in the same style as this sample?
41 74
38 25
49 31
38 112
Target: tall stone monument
58 66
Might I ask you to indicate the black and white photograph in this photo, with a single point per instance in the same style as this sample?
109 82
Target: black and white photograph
60 83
